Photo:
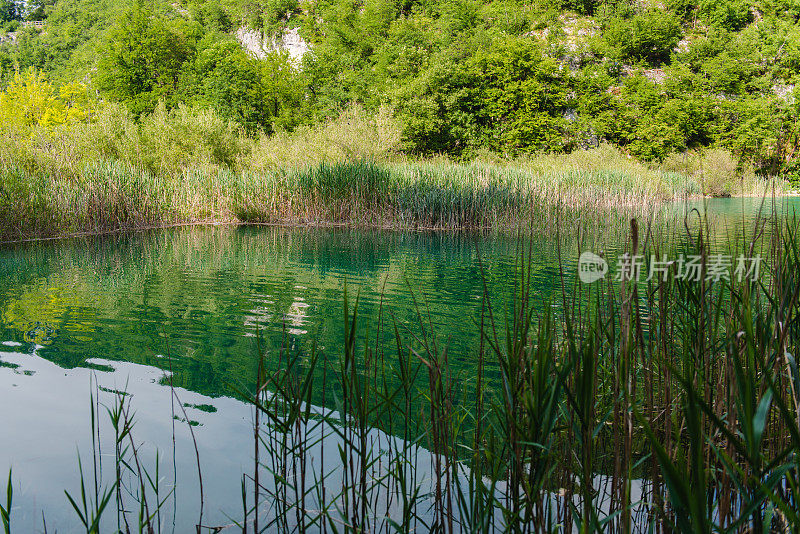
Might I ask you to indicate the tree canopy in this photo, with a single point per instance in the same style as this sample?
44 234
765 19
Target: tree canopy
463 76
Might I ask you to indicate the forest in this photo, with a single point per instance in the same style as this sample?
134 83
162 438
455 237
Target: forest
461 78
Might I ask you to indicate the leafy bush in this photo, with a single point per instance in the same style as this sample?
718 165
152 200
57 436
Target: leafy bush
716 171
758 132
518 97
30 101
434 110
649 36
584 7
211 15
507 97
355 134
682 8
166 142
791 172
729 14
185 138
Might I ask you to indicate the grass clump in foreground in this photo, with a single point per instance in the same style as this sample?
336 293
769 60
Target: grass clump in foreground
187 165
670 405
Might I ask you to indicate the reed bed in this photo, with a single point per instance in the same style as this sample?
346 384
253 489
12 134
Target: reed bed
670 405
112 195
189 165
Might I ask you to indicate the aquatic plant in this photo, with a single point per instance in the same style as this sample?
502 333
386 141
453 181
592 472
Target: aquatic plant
660 406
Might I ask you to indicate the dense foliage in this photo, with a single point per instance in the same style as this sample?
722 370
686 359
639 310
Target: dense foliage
463 76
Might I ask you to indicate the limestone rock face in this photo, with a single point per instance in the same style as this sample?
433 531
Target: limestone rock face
255 43
294 44
785 92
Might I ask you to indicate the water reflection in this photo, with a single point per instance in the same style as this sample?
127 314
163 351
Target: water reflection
206 297
51 405
202 294
50 423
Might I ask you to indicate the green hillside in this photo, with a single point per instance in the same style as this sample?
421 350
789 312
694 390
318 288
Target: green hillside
462 77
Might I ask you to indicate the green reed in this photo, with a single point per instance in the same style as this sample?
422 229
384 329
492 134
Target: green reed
5 511
665 406
112 195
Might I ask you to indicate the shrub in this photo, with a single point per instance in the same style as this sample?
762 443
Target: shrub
188 137
211 15
355 134
758 131
164 142
716 171
649 36
31 101
732 15
508 97
518 97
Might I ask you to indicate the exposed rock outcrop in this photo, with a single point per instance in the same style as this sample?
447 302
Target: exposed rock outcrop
255 43
785 92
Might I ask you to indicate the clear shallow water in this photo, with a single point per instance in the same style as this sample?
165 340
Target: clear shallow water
203 294
114 307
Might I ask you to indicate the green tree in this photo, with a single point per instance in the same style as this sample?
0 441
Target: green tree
519 98
507 97
31 101
211 15
683 8
729 14
8 11
276 12
435 111
38 9
141 60
226 78
597 106
762 132
654 120
285 90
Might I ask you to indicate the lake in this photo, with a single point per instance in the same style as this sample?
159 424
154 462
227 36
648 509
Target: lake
121 313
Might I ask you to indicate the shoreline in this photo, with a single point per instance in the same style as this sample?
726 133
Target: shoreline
323 225
54 200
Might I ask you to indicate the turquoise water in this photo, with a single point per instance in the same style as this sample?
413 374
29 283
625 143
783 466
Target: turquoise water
124 311
197 302
204 294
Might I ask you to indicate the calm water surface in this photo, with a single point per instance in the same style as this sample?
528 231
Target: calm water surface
113 309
